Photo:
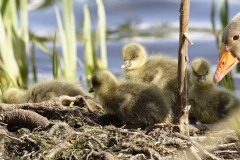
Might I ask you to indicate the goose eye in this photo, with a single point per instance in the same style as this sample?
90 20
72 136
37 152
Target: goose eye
236 37
206 72
233 55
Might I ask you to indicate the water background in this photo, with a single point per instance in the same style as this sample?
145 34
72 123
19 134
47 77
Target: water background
146 17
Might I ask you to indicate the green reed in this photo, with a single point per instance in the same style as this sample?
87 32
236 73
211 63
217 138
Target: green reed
14 42
68 39
91 41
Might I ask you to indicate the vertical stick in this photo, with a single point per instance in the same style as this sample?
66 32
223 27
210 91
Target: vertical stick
182 108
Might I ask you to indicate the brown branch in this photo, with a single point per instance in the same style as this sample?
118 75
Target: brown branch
146 150
31 140
57 148
28 119
188 38
102 155
56 104
13 138
224 146
226 151
181 108
92 105
3 124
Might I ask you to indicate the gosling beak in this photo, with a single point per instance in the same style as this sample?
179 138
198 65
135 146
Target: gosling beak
125 64
201 79
91 90
226 62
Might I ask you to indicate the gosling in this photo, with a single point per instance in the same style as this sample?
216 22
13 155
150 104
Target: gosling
43 91
159 69
134 103
209 103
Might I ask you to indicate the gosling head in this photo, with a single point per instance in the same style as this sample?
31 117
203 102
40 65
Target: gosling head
14 96
201 74
134 56
103 82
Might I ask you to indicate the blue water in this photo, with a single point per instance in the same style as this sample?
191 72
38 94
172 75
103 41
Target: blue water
147 13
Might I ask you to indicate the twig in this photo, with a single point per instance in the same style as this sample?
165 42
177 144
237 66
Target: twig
73 156
102 155
89 154
56 104
27 155
221 146
16 139
226 151
98 141
57 148
3 124
188 39
146 150
31 140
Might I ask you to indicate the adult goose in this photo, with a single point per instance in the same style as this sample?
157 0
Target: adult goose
230 52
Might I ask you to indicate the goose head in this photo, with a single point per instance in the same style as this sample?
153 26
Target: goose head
230 51
134 56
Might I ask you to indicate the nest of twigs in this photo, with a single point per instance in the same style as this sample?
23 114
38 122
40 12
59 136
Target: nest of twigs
52 130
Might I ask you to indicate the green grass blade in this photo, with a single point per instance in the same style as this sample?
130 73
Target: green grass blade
41 45
102 33
87 40
17 39
24 40
55 59
6 51
224 13
69 28
62 33
67 39
34 68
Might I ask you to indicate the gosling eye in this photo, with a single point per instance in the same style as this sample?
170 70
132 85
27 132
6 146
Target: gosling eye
206 73
133 57
236 37
195 73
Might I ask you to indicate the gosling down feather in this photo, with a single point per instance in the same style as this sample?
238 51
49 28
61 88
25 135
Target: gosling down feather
134 103
159 69
209 103
43 91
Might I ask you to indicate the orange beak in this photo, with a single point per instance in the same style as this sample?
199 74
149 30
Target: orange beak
226 62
